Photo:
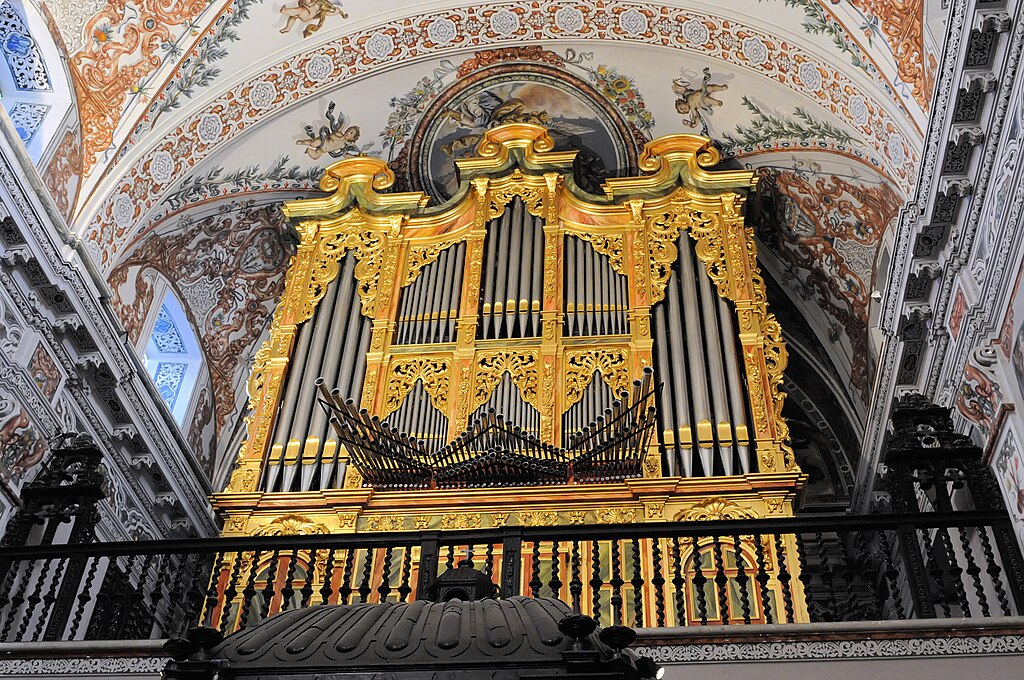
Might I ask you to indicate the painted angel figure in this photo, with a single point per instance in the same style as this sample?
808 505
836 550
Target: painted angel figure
312 13
697 103
336 139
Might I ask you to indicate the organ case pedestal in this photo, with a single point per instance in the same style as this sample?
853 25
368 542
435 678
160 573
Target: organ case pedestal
499 331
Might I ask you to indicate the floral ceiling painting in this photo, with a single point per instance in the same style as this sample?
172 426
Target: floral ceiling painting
194 105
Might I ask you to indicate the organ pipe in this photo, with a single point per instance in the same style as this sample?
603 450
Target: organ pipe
716 366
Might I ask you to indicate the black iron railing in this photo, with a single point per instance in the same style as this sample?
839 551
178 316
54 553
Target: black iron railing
784 570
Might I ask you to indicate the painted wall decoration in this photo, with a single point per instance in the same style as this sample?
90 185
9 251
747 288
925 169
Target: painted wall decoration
446 115
63 174
827 233
20 51
311 15
228 271
696 103
127 41
1008 463
21 446
979 398
902 25
353 56
44 371
26 118
336 139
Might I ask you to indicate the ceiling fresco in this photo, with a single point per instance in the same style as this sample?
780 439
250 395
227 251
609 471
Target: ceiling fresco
227 268
195 105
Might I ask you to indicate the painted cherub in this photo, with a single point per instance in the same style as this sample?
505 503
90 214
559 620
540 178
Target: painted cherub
336 139
313 13
697 103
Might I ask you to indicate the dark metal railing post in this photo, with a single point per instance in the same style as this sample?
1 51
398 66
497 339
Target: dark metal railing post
429 548
511 562
917 578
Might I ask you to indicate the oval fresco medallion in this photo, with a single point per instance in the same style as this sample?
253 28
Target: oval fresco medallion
578 117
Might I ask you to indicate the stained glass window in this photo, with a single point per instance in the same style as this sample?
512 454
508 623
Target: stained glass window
172 356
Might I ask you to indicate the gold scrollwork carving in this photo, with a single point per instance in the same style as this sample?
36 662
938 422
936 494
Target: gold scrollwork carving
714 508
616 515
385 523
537 518
521 365
421 255
501 194
292 525
610 245
435 373
612 364
470 520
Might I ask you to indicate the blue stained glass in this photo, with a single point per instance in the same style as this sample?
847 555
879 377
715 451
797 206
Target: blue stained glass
168 379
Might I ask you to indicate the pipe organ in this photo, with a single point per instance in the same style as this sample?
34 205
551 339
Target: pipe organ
524 352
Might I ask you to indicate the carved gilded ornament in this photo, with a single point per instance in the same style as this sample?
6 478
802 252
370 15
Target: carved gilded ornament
610 245
516 185
616 515
385 523
580 366
434 372
715 508
292 525
461 520
521 365
420 256
537 518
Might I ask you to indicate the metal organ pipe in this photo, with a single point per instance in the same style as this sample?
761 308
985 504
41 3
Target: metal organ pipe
304 409
455 294
605 312
536 273
525 276
339 324
434 311
736 392
570 285
515 269
716 366
695 353
489 272
420 295
501 282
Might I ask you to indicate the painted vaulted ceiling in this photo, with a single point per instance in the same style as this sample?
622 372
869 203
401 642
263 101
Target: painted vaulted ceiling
195 117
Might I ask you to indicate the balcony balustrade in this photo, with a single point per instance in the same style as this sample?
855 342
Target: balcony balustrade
732 572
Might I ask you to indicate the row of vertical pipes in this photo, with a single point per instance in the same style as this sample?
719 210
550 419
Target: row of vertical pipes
702 402
428 308
596 296
596 400
513 275
420 419
333 343
506 401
